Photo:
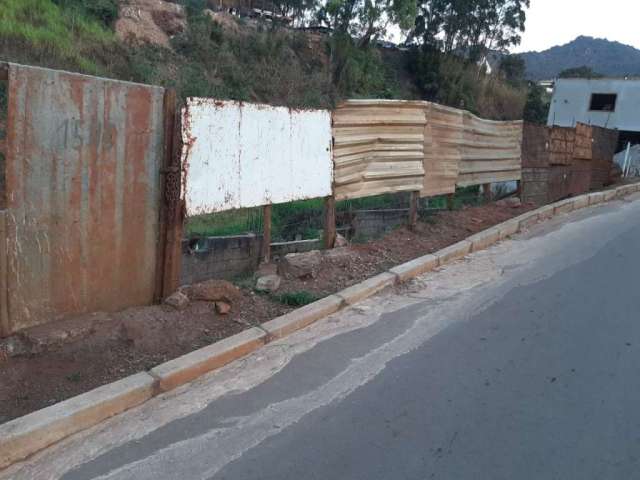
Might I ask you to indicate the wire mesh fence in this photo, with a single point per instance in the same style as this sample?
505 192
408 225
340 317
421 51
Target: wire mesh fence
304 220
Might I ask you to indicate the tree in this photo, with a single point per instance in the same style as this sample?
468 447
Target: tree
471 28
513 68
537 107
579 72
367 20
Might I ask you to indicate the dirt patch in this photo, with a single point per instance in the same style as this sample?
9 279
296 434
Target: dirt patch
121 344
343 267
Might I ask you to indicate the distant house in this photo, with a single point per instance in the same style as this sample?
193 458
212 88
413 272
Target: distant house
606 102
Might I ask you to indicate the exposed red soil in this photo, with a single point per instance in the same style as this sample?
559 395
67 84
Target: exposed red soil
138 339
350 265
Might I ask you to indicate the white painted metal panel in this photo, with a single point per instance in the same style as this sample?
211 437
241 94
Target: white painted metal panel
240 155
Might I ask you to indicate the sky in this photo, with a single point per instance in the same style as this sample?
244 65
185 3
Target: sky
556 22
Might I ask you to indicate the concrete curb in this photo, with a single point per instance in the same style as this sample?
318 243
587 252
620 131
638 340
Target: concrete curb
415 268
368 288
302 317
27 435
194 364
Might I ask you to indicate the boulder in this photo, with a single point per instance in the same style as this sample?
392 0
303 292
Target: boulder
177 300
268 283
301 265
213 291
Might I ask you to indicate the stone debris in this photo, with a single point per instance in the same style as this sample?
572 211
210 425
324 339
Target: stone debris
268 283
177 300
513 202
222 308
213 291
301 265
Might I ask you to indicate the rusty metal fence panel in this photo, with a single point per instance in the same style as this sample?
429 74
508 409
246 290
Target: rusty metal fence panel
491 151
83 194
239 155
378 147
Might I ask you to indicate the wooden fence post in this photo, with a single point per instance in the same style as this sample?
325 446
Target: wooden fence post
172 207
266 238
5 328
329 222
413 210
450 198
486 191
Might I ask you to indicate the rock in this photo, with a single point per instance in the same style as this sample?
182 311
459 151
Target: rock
177 300
268 283
152 21
340 254
213 291
223 308
267 269
300 265
513 202
341 241
52 335
12 347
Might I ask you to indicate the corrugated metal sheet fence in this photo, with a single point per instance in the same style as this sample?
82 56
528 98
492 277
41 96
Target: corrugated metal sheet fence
83 164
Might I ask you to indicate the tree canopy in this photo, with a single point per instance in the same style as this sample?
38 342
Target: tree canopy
471 28
366 20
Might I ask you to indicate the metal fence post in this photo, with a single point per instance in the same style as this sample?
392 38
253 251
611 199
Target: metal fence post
329 222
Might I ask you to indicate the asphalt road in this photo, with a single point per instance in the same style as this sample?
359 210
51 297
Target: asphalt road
522 362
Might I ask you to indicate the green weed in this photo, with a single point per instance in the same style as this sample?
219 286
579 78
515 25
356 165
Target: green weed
296 299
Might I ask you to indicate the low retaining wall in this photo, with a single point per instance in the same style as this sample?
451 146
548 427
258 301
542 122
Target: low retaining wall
219 257
239 255
231 257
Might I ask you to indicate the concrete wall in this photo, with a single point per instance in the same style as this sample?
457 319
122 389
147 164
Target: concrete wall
231 257
375 223
572 99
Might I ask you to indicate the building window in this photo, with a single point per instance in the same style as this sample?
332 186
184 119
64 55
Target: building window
603 102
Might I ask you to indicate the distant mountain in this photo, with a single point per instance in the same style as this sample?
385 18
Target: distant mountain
608 58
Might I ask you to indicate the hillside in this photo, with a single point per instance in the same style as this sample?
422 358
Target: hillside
201 50
602 56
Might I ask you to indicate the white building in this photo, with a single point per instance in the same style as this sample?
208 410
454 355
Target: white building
605 102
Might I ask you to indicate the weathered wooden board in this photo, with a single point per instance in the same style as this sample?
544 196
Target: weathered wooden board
490 151
443 135
378 147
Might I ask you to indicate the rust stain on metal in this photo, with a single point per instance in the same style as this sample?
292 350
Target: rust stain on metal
83 165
